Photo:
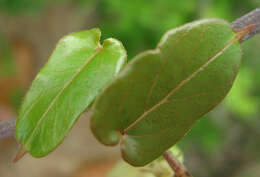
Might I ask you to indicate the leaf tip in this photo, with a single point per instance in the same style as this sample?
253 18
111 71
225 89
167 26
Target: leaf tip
19 155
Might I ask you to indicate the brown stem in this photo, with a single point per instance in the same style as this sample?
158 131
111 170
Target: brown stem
178 168
250 19
7 128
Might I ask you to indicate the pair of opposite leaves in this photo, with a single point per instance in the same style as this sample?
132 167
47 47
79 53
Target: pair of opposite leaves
147 106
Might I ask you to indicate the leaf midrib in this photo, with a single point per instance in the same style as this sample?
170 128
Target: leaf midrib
99 48
182 83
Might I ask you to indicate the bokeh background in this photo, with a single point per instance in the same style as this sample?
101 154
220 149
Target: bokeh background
224 143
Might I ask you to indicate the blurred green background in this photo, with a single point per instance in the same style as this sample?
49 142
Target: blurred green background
225 143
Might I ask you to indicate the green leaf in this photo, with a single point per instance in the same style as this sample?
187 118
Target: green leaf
161 93
77 71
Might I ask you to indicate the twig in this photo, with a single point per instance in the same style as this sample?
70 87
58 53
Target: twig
7 128
252 18
178 168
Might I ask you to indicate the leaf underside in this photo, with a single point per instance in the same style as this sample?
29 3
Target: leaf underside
77 71
161 93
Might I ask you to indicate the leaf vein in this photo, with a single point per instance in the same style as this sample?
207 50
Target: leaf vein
60 93
182 83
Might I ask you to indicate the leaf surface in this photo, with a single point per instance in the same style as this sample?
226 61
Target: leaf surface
161 93
76 72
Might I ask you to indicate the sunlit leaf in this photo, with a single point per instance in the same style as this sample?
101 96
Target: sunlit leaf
161 93
77 71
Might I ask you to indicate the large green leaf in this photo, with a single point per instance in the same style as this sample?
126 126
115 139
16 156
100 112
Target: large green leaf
77 71
159 95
